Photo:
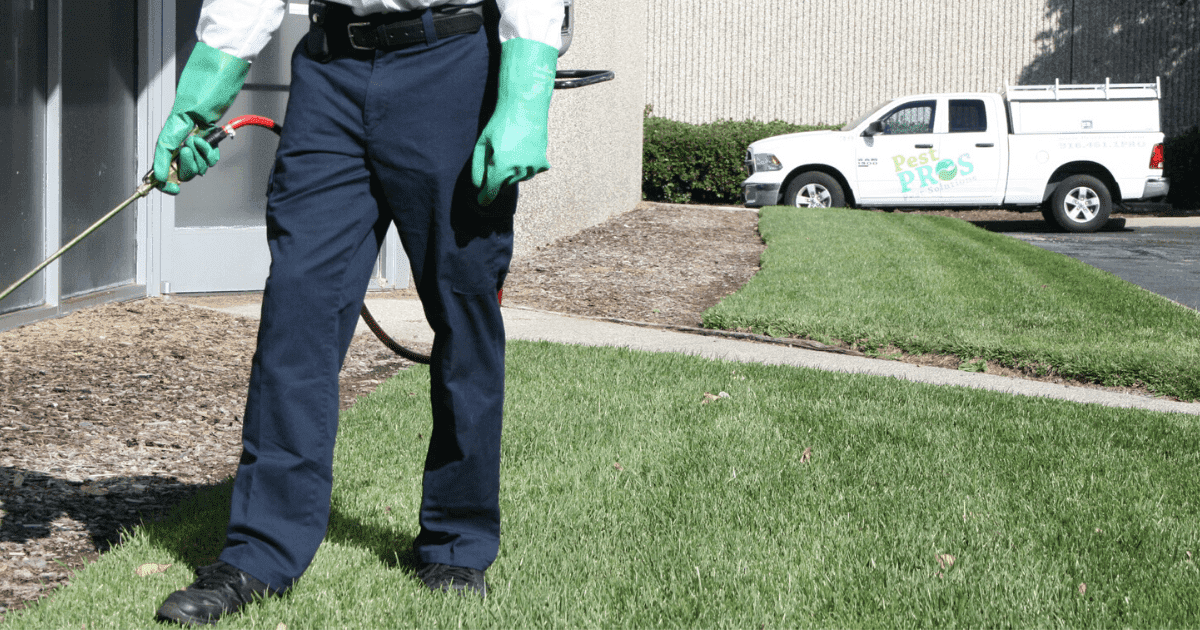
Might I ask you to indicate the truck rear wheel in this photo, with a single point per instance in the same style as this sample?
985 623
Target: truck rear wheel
1081 203
815 189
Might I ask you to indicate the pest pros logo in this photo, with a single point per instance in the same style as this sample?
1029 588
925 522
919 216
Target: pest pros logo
925 169
946 170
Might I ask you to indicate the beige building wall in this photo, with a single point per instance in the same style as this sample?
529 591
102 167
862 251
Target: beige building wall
1133 41
827 61
595 131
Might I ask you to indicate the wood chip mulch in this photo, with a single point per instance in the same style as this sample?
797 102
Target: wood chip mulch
112 415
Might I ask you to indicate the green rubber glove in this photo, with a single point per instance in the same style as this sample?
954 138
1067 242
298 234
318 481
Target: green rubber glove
209 83
512 147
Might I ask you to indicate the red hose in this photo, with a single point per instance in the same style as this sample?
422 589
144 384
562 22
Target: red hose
215 136
257 121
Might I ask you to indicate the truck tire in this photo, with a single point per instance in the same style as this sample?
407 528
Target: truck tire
1081 203
814 189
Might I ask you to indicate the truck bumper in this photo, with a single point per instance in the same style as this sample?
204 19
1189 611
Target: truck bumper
1156 188
758 195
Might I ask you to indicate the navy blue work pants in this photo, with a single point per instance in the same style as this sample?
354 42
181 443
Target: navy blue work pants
367 141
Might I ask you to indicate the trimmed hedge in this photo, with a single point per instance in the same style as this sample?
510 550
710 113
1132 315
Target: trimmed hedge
1182 155
686 163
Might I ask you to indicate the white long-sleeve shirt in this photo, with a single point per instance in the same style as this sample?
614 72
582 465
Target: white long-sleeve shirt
242 28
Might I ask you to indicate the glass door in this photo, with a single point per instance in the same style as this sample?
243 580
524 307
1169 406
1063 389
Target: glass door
22 149
99 142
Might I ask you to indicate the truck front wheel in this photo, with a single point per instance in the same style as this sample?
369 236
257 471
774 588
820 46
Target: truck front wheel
815 189
1081 203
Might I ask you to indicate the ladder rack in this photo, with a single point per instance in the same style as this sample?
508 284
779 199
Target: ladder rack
1106 91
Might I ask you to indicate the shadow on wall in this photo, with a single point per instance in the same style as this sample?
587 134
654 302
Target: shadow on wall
1129 41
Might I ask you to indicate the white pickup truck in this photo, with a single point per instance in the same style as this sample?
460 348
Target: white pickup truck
1069 150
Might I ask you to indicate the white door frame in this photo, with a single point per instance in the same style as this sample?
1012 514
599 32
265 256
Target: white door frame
155 211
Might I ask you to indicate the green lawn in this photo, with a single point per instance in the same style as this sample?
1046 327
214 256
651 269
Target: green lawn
931 284
802 499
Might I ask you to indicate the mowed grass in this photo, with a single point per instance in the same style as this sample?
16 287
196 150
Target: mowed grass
931 284
802 499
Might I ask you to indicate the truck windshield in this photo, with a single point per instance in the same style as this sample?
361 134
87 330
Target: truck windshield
867 114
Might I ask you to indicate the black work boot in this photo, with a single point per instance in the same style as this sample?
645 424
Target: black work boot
443 577
219 589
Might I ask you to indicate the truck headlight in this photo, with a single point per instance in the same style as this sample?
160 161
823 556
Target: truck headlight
766 162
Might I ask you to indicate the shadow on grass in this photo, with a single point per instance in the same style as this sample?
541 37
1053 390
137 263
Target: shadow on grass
195 531
394 549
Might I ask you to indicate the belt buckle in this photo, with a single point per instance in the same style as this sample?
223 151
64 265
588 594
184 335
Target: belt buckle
350 35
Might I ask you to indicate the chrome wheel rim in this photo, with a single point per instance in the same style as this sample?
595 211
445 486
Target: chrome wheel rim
1081 204
813 196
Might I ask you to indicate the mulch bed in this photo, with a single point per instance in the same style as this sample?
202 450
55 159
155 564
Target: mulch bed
112 415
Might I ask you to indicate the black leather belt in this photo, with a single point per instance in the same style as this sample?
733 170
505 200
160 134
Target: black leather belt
389 31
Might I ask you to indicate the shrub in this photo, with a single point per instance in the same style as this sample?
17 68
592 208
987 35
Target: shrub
687 163
1182 155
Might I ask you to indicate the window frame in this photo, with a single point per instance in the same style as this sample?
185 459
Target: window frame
930 103
982 109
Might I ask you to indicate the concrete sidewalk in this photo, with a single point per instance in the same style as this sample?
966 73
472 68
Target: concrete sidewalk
405 322
1134 222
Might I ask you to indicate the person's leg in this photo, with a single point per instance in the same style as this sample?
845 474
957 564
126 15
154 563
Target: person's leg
423 120
324 230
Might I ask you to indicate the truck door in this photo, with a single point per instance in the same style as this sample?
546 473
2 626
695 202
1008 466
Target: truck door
897 163
969 165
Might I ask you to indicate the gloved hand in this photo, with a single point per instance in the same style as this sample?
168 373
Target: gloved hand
512 147
209 83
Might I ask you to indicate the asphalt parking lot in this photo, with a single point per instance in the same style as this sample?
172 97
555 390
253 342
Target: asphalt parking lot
1161 255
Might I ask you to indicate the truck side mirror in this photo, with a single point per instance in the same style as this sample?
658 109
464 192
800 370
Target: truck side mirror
873 129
